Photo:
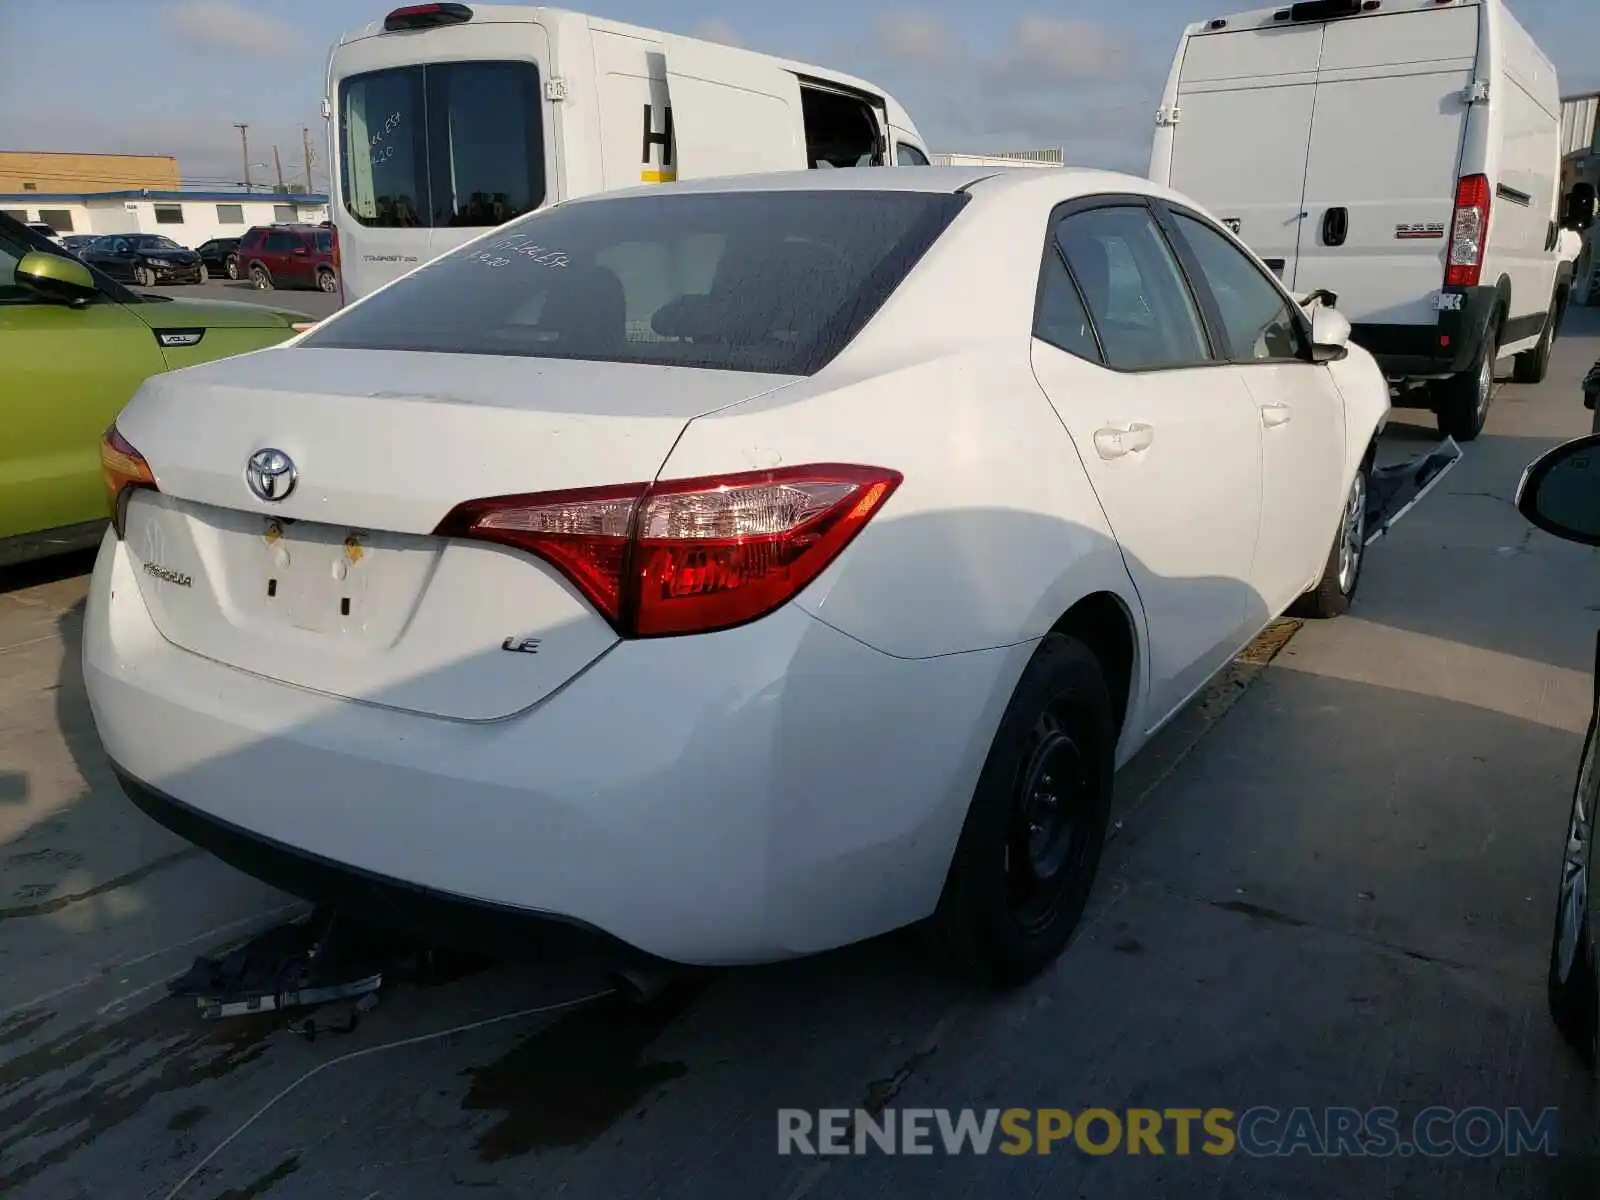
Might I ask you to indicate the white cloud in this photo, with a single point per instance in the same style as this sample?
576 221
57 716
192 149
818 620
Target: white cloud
224 25
714 29
1045 82
1048 51
916 37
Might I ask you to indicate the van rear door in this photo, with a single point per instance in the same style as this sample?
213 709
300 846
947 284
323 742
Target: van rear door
733 112
1384 160
1245 102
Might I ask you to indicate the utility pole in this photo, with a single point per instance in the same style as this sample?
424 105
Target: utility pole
305 142
278 163
244 144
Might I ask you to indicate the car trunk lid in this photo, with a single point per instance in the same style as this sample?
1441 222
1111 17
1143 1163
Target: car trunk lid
339 586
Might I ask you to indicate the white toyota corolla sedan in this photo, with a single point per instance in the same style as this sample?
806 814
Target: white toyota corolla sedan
732 570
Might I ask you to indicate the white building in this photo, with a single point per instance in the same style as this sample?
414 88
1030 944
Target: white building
1003 158
188 218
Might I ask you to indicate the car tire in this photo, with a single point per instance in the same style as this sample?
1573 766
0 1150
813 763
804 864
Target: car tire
204 274
327 281
1573 986
1341 575
1531 366
1015 891
260 278
231 267
144 276
1462 401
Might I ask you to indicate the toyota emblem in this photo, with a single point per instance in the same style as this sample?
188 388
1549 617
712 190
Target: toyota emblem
270 474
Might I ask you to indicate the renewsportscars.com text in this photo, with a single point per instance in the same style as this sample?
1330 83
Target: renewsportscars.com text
1259 1132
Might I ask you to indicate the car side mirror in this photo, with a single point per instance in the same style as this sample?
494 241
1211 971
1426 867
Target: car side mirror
1560 491
1330 335
56 278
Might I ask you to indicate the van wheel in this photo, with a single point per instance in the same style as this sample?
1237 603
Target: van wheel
1462 401
259 278
1337 587
1533 365
1031 845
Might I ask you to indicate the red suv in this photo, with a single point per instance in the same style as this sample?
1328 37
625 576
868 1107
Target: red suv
289 256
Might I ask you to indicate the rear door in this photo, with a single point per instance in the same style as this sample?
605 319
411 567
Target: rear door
1245 104
1384 160
1165 428
733 112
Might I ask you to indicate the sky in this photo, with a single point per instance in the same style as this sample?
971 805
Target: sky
174 76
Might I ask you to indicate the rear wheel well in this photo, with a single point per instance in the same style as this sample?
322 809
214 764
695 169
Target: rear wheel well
1102 623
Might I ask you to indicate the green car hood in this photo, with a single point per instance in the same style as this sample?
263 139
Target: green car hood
213 314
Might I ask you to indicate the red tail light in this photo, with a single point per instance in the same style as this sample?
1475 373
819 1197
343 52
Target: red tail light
122 468
1469 232
422 16
687 555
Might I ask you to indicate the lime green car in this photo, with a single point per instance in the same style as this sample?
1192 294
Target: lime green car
74 347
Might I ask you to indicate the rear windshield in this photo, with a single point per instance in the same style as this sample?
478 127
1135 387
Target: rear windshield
441 144
743 281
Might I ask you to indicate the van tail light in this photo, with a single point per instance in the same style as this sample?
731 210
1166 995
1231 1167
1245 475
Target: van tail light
123 469
1469 232
687 555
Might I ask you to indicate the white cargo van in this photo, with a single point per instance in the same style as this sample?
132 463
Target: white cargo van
449 118
1403 155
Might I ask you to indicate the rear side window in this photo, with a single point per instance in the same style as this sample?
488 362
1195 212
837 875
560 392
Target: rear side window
1061 318
455 144
1141 305
744 281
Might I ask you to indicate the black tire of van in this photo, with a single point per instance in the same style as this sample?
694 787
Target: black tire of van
1531 366
1462 401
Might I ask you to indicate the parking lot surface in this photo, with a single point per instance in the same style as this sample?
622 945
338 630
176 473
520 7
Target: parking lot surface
1331 883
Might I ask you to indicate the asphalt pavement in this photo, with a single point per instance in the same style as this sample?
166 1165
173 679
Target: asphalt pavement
1331 884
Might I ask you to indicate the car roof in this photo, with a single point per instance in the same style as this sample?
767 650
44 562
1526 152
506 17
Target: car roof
1066 181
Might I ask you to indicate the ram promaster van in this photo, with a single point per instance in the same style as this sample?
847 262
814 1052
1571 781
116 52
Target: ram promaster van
446 119
1402 155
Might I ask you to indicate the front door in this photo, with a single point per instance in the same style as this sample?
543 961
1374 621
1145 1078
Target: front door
68 372
1165 429
1301 412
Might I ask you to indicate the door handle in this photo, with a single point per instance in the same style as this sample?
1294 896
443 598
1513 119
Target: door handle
1114 443
1275 414
1335 226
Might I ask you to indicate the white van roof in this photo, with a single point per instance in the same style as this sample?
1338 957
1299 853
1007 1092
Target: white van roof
1259 18
531 14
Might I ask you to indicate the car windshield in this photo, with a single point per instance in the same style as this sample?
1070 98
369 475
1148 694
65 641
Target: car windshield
767 281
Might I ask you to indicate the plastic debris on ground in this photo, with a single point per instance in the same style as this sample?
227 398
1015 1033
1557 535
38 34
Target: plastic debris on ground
1393 490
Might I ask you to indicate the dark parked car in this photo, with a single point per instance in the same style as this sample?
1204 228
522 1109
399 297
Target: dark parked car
1560 494
145 259
78 242
290 256
221 256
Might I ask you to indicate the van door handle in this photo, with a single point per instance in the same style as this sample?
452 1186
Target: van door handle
1335 226
1275 414
1114 443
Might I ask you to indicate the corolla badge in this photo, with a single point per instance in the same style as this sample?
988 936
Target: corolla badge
271 474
